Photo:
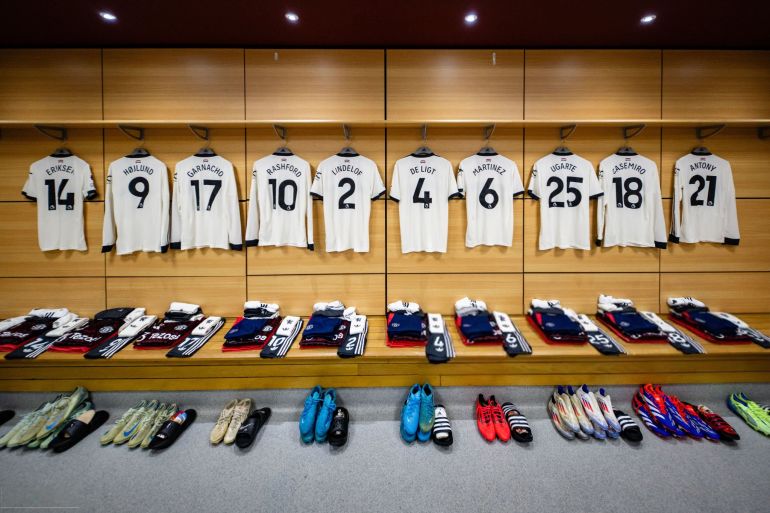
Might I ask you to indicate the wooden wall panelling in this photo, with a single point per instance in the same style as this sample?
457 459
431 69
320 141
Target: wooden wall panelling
84 296
50 84
20 253
700 84
737 292
592 84
20 147
455 84
580 291
315 84
297 294
439 292
751 255
748 156
174 83
222 296
596 260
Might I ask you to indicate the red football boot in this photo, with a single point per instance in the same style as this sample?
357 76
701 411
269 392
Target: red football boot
484 419
718 424
502 430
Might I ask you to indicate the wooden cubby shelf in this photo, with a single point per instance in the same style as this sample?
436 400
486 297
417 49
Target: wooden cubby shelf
211 368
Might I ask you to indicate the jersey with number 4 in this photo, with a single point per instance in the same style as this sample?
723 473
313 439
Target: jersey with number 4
703 184
59 185
136 206
422 186
347 185
564 184
204 205
280 208
630 213
489 183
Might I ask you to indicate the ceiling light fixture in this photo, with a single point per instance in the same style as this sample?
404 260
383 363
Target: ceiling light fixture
646 20
471 18
108 16
292 17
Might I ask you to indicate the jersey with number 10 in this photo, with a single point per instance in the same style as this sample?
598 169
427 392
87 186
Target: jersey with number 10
59 184
564 184
422 186
279 203
136 205
489 183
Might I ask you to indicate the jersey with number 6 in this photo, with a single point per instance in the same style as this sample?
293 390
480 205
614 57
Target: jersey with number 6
347 185
422 186
280 209
59 184
489 183
703 184
136 204
204 205
630 213
564 184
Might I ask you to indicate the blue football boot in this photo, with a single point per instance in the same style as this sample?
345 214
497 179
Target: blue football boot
427 411
325 415
309 413
410 414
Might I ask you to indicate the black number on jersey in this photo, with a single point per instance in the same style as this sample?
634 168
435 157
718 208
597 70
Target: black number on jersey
139 193
216 184
486 192
628 193
279 194
351 189
577 197
710 194
67 200
425 199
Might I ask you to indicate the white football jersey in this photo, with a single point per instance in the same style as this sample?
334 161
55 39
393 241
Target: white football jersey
631 212
564 184
347 185
422 186
59 184
204 205
704 186
136 204
279 203
489 183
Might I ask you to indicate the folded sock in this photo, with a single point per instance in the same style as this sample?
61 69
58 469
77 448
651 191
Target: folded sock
187 308
404 307
258 307
467 306
684 302
545 303
48 312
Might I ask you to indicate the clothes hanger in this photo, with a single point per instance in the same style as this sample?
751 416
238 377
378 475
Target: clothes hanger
60 134
702 132
487 150
628 133
61 153
202 132
564 133
423 151
283 150
347 151
138 134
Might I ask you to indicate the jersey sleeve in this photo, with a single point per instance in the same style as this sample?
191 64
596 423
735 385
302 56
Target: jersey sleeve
452 184
30 186
165 200
317 189
518 186
461 181
659 228
252 219
310 244
233 214
108 227
534 184
594 187
378 188
601 207
676 222
732 234
176 218
395 189
89 189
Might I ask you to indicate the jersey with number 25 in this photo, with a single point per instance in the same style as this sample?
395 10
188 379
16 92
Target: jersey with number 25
564 184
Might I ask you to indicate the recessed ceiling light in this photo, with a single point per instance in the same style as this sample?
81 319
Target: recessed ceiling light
108 16
292 17
471 18
648 19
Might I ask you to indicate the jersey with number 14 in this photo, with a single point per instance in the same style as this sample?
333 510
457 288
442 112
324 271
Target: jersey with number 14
564 184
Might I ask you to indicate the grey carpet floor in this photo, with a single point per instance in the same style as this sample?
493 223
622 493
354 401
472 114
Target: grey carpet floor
377 472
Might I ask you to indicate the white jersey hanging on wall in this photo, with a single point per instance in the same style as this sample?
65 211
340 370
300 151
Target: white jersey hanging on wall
489 184
347 184
136 206
564 184
703 184
422 186
204 205
280 210
59 185
631 211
